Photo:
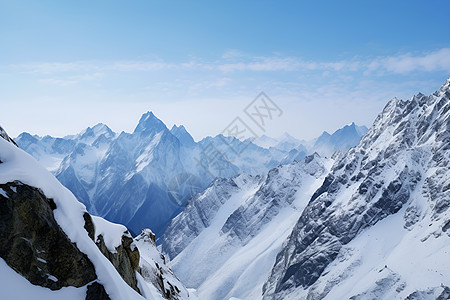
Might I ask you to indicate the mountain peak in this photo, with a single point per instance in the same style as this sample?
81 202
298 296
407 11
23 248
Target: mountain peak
286 136
182 135
446 86
150 123
324 134
96 131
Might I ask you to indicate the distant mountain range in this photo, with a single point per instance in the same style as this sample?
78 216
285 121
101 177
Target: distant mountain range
144 178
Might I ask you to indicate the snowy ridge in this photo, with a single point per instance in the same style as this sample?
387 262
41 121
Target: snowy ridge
383 198
15 166
18 165
224 243
325 145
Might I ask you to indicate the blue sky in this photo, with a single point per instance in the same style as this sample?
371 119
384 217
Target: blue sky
66 65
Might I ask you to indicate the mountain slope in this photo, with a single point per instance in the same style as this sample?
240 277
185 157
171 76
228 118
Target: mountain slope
385 197
51 248
225 241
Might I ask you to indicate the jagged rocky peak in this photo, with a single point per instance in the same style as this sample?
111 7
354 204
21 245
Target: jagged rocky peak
444 88
341 140
149 124
393 189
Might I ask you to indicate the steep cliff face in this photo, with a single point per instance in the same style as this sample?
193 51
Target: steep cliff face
394 187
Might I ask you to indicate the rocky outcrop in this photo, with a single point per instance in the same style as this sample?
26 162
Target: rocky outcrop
96 291
33 244
126 257
154 269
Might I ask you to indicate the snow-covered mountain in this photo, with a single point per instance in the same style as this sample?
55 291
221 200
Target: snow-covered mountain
372 222
369 223
225 241
52 248
143 179
325 145
341 140
378 227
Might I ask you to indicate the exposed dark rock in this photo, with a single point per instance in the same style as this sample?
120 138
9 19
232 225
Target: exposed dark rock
96 291
33 244
89 225
5 136
125 259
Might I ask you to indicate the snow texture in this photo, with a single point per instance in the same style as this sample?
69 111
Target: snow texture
145 178
378 226
18 165
226 240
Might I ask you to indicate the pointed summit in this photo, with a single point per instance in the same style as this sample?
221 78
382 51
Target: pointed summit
96 131
286 137
182 135
342 139
149 123
446 86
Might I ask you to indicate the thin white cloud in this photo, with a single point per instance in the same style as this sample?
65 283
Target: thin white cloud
46 68
234 61
263 64
71 80
130 66
60 82
434 61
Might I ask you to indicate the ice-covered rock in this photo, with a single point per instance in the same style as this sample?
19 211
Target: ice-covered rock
381 210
